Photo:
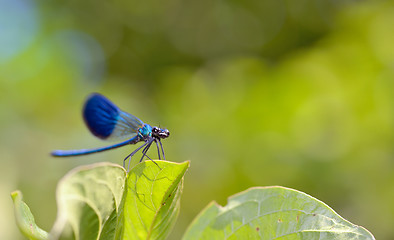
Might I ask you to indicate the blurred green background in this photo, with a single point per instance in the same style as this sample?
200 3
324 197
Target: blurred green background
255 93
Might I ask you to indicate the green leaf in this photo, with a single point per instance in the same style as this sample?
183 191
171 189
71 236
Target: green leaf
273 213
151 202
25 219
98 202
88 200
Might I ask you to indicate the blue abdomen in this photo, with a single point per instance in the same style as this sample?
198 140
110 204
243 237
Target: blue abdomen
100 115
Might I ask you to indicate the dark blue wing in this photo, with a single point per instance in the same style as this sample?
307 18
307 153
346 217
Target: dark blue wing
106 121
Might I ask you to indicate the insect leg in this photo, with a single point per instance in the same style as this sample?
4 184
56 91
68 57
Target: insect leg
158 148
146 149
131 154
149 142
162 149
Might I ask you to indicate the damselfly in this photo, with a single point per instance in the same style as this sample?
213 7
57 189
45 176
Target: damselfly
106 121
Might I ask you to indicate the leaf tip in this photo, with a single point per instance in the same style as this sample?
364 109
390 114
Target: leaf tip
16 195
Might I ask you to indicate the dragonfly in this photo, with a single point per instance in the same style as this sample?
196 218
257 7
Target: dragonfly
106 121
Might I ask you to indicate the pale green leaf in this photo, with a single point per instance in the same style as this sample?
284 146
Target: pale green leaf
273 213
88 200
25 219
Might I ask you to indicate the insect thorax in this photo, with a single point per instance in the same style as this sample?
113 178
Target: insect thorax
145 131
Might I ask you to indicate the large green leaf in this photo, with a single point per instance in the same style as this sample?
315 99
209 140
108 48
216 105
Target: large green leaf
151 201
25 219
98 202
273 213
88 201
